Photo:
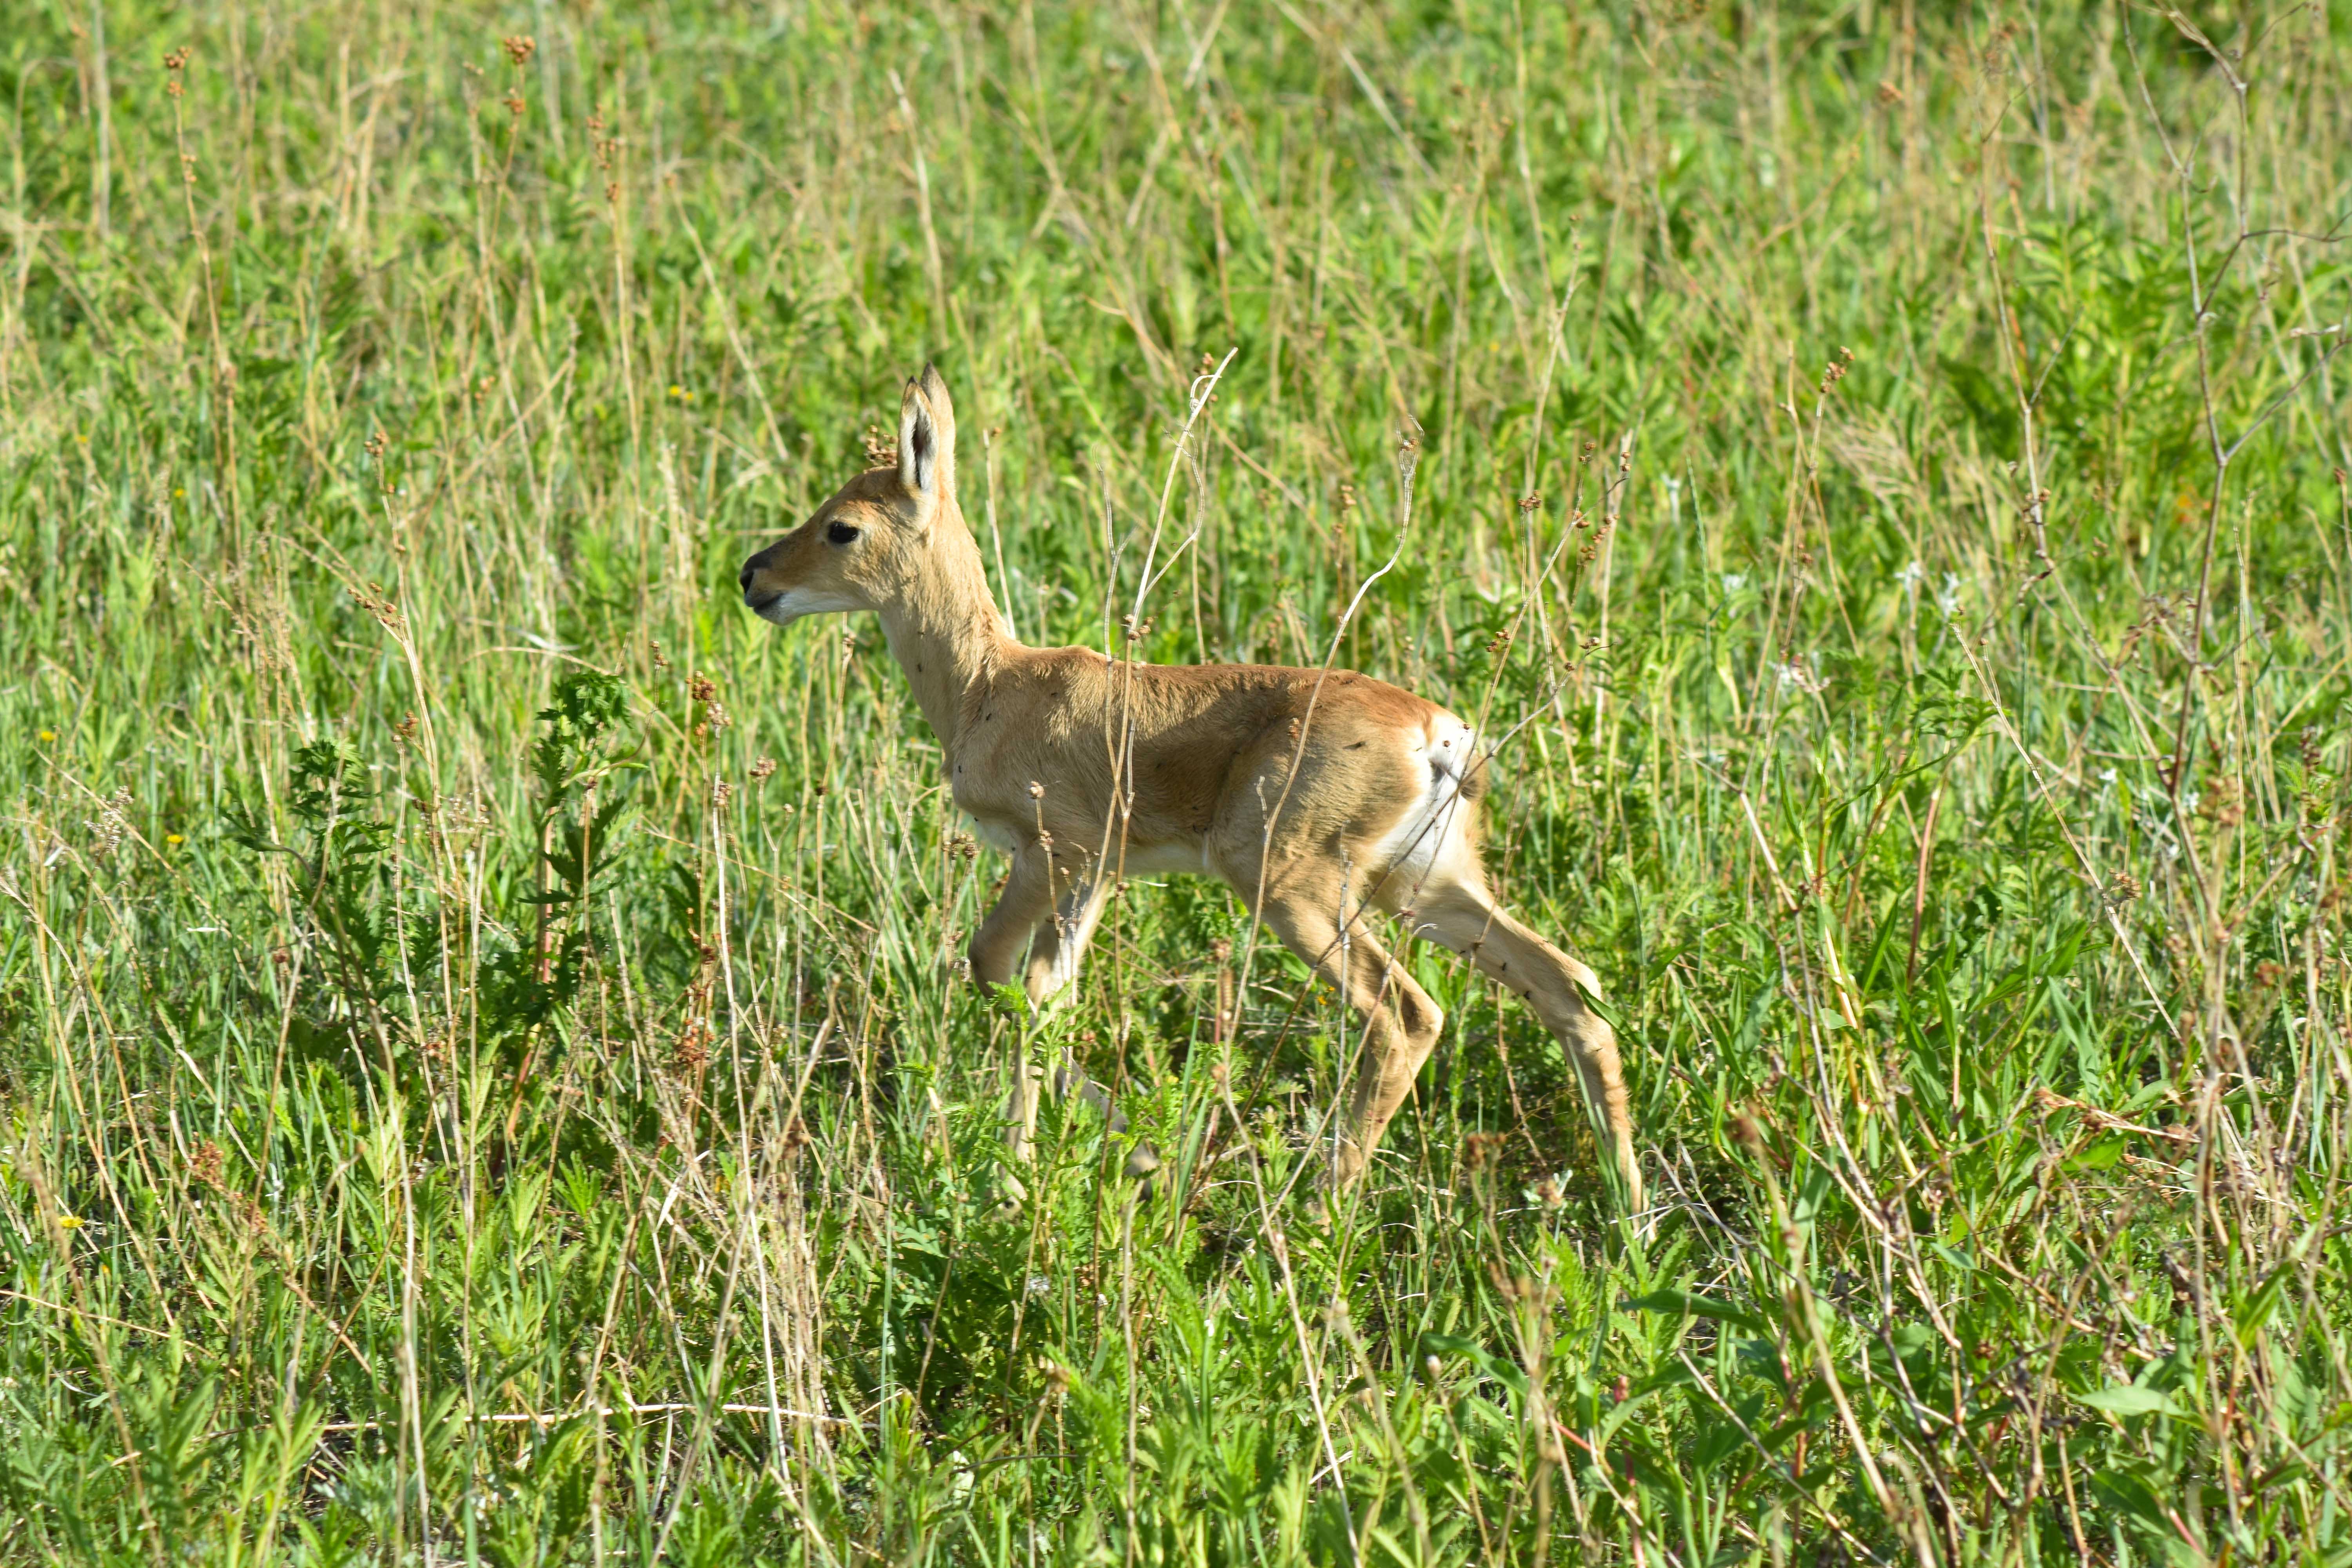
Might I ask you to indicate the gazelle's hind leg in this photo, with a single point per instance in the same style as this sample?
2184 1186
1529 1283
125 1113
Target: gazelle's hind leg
1460 913
1400 1023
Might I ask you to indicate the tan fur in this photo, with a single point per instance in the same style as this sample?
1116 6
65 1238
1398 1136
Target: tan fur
1318 796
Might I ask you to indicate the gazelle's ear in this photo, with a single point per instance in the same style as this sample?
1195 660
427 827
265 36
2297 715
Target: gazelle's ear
927 437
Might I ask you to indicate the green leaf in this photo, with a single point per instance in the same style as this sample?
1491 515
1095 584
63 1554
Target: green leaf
2099 1155
2129 1399
1486 1361
1688 1304
1953 1256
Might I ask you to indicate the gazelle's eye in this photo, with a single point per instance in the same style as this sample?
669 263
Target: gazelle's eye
840 533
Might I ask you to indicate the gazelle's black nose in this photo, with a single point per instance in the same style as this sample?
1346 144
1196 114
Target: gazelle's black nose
744 577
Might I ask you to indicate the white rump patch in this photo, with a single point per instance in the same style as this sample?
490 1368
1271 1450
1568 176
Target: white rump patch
1431 828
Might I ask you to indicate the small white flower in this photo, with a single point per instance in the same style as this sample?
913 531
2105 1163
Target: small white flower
1798 676
1948 597
1037 1285
1734 581
1911 576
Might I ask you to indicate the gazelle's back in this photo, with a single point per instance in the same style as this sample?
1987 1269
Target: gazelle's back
1201 740
1078 688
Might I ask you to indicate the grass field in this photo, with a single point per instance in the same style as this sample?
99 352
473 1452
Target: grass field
485 1068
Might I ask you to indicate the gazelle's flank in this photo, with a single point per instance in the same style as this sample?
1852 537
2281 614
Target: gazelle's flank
1316 796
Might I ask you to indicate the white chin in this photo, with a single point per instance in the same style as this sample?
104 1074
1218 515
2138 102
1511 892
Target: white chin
794 602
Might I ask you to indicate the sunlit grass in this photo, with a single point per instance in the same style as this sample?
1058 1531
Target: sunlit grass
487 1071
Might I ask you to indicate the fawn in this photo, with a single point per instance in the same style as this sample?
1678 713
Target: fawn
1319 795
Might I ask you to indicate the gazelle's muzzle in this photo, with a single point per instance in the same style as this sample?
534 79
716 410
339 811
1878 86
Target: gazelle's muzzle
777 586
760 596
752 596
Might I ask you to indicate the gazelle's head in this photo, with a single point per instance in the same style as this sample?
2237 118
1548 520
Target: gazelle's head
866 548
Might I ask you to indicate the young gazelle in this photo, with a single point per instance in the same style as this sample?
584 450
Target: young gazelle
1317 797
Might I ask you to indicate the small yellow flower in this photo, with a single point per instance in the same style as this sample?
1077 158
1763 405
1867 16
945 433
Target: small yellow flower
69 1222
178 494
47 736
173 839
675 391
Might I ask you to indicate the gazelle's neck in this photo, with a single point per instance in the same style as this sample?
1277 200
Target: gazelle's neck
943 626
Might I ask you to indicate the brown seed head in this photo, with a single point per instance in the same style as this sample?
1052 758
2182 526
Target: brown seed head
1749 1135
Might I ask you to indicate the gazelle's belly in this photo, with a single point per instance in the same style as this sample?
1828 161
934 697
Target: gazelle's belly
1131 859
1172 856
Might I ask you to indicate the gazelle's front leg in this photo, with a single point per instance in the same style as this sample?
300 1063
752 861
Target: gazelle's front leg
1027 898
1061 942
1054 956
1059 946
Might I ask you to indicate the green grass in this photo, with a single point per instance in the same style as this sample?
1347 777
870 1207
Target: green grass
484 1067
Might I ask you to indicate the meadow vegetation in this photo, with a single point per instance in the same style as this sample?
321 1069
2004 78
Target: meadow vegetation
485 1071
